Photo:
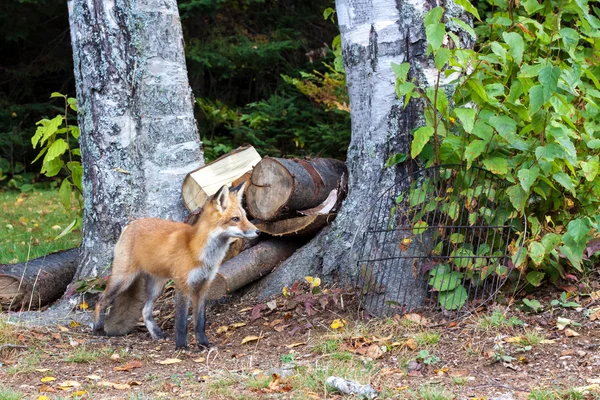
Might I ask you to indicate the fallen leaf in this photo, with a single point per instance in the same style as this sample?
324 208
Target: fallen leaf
56 227
257 312
46 389
593 381
243 310
121 386
47 379
84 305
548 341
338 323
291 346
415 318
459 372
570 333
70 384
441 371
199 360
43 369
374 351
115 357
237 325
250 338
595 314
93 377
314 282
275 322
222 329
411 344
129 366
561 323
42 397
169 361
514 339
272 304
79 393
134 383
285 291
279 328
63 329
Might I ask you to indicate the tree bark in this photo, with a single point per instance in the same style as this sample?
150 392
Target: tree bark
37 282
375 33
138 132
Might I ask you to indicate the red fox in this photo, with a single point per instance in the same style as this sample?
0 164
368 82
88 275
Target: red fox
155 250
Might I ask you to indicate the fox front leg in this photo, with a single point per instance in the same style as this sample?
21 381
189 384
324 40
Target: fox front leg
181 314
199 307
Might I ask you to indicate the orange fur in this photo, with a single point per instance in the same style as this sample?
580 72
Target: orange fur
157 250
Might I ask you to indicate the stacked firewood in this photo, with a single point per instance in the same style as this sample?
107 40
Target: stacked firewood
289 200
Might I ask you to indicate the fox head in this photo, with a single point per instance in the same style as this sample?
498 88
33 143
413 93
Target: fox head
226 205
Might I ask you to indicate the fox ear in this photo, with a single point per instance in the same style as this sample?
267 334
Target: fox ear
221 198
239 190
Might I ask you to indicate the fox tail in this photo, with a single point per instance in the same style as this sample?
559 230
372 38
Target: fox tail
126 310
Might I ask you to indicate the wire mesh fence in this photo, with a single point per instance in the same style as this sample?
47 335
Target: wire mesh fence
441 241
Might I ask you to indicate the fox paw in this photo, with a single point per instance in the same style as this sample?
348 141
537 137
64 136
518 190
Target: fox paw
205 346
99 332
159 336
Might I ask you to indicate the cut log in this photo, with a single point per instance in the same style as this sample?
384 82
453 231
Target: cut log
203 182
299 226
37 282
250 265
279 186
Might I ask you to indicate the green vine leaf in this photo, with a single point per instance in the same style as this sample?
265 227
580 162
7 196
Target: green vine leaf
420 139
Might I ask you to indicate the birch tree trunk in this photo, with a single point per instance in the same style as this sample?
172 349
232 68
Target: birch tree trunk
375 33
138 133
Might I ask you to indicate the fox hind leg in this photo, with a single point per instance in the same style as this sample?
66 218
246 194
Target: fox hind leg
154 287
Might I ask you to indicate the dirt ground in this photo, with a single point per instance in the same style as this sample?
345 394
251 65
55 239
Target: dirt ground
286 348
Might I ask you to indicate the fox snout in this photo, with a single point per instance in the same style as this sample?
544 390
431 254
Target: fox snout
251 233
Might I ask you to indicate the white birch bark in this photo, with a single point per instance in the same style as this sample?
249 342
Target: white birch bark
138 133
375 33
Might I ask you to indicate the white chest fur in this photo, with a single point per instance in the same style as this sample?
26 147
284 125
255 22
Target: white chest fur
210 258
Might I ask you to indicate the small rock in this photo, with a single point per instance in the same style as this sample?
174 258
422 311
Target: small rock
349 387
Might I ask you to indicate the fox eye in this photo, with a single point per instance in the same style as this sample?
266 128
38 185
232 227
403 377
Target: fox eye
235 219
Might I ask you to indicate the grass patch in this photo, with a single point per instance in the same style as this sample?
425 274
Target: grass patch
532 338
9 394
8 333
259 382
83 355
328 346
460 380
26 222
498 320
427 338
27 362
312 378
432 392
542 394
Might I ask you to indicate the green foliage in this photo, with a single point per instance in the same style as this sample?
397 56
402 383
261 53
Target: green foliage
564 302
526 107
533 304
53 137
428 358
